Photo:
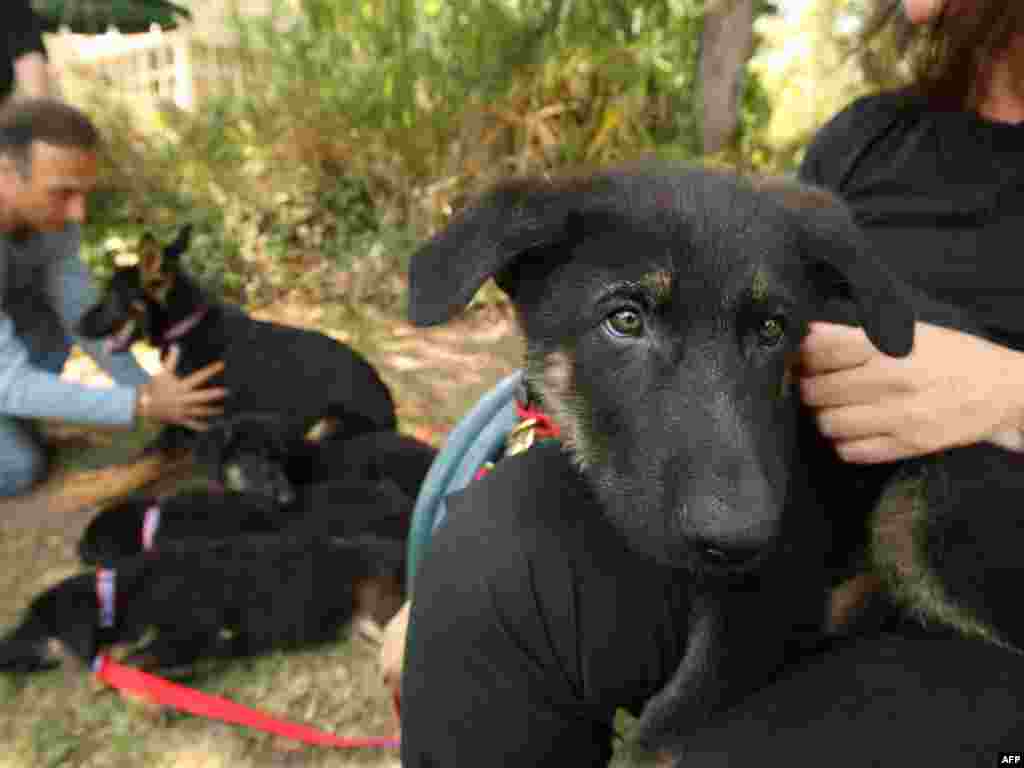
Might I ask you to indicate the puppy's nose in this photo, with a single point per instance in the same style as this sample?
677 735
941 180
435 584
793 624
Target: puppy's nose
728 557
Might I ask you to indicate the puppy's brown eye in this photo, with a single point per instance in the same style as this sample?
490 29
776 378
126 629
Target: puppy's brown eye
771 331
625 322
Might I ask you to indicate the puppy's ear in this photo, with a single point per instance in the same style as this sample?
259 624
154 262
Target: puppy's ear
484 241
173 251
842 264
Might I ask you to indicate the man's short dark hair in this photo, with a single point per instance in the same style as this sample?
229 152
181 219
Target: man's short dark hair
49 121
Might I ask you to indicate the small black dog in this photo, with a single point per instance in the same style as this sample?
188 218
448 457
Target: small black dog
377 456
663 310
250 452
144 523
295 373
234 597
338 510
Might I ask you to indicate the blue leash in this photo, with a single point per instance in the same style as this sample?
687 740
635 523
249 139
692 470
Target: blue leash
479 437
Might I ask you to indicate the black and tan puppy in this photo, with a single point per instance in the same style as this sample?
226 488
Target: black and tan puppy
144 523
295 373
234 597
663 309
250 452
342 509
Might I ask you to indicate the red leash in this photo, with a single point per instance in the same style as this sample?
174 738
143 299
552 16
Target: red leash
160 691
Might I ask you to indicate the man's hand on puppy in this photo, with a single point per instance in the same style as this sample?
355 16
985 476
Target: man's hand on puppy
953 389
172 400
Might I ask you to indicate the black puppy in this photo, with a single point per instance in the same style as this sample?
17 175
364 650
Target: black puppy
144 523
234 597
338 510
946 538
377 456
294 373
250 452
663 309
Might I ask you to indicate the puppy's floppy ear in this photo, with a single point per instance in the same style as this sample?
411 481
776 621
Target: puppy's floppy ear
483 241
173 251
841 260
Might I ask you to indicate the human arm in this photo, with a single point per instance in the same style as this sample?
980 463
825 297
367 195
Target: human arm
28 392
32 76
25 47
953 389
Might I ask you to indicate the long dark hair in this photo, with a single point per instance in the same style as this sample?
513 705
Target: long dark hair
941 59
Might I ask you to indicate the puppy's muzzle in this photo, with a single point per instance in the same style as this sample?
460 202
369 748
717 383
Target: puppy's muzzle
722 545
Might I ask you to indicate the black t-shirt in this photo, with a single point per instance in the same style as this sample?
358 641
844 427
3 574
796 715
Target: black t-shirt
21 33
940 194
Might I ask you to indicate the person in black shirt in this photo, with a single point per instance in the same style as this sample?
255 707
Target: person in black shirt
23 65
935 174
530 629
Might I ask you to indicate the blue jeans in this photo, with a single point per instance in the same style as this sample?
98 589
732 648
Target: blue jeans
45 302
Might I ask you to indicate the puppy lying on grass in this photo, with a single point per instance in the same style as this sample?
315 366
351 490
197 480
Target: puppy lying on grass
251 452
338 510
234 597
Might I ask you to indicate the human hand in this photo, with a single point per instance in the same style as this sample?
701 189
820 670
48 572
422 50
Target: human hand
924 11
953 389
920 11
172 400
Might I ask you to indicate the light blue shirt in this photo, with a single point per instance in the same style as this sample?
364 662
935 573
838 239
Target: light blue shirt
44 290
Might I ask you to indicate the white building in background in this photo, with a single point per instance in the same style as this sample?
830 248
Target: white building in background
184 66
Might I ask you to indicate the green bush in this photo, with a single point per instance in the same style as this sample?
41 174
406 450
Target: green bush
364 127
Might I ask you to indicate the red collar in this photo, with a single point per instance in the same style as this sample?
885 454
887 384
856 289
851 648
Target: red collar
182 327
543 425
106 592
533 425
150 523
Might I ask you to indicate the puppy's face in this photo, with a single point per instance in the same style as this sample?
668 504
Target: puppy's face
124 315
135 304
663 312
666 356
247 454
112 533
66 613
